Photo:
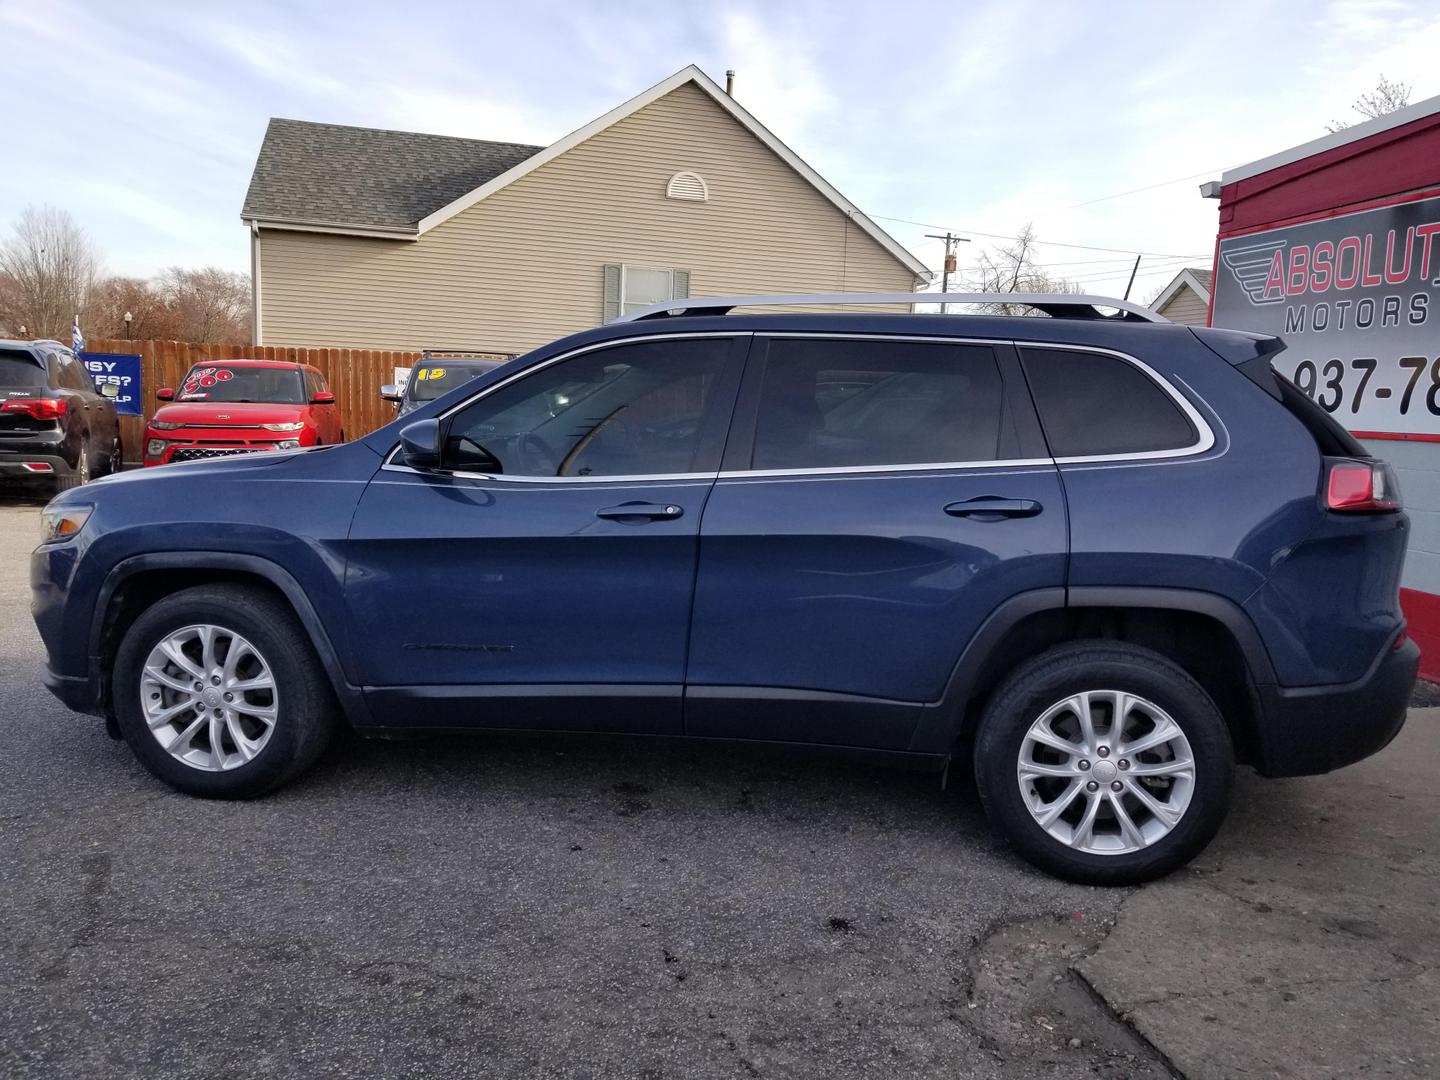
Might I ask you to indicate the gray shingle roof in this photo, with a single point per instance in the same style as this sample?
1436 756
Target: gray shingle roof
367 177
1207 277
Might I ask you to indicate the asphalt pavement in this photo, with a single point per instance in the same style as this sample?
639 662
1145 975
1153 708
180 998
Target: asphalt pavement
563 907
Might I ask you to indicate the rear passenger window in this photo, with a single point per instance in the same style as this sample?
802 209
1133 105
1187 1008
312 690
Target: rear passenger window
832 403
1092 404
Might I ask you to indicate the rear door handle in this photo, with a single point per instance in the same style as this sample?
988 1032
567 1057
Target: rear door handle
994 508
636 513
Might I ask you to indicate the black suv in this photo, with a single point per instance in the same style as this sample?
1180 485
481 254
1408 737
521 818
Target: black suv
54 426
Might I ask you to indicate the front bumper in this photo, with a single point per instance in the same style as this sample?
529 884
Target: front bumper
206 449
1316 729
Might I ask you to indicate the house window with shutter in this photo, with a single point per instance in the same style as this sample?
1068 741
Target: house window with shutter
628 288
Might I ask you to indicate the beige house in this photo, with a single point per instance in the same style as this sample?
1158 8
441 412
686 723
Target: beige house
1186 299
395 240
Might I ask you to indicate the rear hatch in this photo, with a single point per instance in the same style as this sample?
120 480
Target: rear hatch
23 385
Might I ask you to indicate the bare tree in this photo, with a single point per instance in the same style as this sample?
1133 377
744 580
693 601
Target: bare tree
150 315
51 266
1385 98
209 304
1015 268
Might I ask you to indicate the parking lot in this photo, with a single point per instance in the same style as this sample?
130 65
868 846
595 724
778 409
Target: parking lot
557 907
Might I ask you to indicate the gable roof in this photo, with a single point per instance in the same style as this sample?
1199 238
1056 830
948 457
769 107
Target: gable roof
367 178
439 198
1200 282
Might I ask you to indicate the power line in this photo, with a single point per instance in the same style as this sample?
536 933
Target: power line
1117 195
1051 243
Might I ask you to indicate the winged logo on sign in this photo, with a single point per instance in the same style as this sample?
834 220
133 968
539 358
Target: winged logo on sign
1250 266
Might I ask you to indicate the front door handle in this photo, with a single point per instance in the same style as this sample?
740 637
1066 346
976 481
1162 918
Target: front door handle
635 513
994 508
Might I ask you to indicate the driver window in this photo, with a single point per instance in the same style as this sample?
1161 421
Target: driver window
634 409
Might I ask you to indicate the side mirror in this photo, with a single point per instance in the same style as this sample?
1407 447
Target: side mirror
391 392
420 444
109 390
324 397
165 394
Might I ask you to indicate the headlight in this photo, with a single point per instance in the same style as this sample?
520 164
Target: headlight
298 425
163 425
57 525
288 444
155 447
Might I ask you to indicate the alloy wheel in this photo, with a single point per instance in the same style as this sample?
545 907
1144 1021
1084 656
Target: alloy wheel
208 697
1106 772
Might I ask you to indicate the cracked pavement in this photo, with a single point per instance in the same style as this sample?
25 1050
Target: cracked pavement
553 907
1306 941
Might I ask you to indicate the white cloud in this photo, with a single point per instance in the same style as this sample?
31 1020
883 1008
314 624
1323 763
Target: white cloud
985 116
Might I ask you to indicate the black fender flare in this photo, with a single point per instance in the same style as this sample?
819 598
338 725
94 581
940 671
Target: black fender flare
352 700
940 725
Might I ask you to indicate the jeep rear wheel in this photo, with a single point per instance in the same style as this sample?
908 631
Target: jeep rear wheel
1104 763
219 693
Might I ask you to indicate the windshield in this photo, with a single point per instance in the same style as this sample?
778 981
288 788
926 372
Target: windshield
217 382
19 369
429 381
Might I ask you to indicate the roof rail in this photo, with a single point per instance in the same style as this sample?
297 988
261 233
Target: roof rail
1058 305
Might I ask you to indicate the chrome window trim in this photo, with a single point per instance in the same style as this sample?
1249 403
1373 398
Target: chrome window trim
389 465
862 470
1205 434
629 478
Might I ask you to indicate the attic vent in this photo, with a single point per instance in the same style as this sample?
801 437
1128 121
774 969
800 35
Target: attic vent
687 185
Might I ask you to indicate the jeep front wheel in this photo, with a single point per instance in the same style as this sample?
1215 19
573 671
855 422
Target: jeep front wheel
219 692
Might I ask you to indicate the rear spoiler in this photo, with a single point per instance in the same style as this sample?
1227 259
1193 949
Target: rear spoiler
1250 354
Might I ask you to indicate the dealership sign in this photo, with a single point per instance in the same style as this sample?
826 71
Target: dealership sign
1353 297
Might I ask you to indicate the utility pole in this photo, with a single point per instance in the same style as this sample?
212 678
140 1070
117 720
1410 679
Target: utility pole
1130 284
950 241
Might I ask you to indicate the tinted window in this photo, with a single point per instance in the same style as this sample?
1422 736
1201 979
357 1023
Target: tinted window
222 382
429 381
71 373
830 403
1094 404
629 410
19 369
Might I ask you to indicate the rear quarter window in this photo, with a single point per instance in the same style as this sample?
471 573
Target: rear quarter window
19 371
1092 404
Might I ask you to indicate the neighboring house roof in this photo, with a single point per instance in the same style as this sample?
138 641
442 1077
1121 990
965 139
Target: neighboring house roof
367 178
330 178
1197 279
1344 136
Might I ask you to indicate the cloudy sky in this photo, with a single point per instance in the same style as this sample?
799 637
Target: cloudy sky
143 119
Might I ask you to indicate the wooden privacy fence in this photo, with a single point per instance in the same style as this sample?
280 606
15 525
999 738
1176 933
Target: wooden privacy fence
355 376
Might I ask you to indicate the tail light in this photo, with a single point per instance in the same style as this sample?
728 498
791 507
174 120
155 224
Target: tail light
39 408
1361 487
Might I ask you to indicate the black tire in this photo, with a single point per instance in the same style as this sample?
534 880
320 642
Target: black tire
307 713
81 473
115 460
1053 676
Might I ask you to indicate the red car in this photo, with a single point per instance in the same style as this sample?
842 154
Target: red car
237 406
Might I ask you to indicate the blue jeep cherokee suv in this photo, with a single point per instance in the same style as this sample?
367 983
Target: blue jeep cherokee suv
1103 557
